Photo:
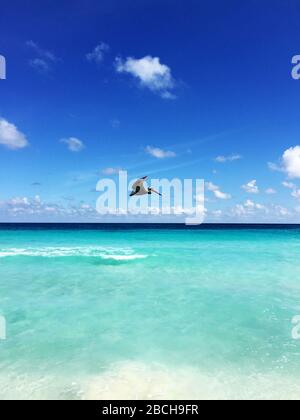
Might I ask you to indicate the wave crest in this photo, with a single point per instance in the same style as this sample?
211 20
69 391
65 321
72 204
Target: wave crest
113 254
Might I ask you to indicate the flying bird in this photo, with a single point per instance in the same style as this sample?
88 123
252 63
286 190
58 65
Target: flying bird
138 188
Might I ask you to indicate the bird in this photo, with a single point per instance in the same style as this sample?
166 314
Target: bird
138 188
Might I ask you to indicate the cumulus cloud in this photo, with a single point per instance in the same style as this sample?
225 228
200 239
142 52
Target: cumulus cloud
291 186
249 208
217 192
251 187
28 208
289 163
35 209
74 144
250 211
251 205
281 211
11 137
159 153
224 159
150 72
97 55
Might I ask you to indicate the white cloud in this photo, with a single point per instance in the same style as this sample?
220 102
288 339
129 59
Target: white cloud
44 59
222 196
261 207
291 162
168 95
271 191
248 208
40 65
239 210
85 206
289 185
251 187
211 187
19 201
251 205
98 52
111 171
74 144
216 191
224 159
47 55
159 153
151 74
250 211
35 209
282 211
27 208
296 194
217 213
11 137
274 167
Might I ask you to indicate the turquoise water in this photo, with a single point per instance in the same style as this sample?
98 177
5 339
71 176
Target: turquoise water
147 313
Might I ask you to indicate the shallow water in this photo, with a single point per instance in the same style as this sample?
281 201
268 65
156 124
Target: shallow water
149 313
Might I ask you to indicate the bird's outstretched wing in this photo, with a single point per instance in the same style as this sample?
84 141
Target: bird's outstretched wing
139 183
156 192
138 187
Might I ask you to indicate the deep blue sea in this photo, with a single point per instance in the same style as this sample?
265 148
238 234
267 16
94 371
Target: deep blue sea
149 311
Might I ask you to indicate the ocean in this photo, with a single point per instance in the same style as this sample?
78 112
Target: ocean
149 311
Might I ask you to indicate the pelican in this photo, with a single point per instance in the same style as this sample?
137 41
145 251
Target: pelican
138 188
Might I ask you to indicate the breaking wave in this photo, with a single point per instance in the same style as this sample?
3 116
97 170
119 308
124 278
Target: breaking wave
113 254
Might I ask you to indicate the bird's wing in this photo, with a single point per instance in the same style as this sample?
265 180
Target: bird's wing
139 183
156 192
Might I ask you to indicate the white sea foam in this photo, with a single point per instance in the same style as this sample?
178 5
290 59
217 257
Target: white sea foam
117 254
136 380
123 257
38 387
130 380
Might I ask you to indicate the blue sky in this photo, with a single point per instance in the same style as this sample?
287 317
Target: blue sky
182 89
